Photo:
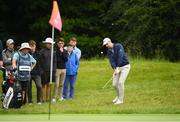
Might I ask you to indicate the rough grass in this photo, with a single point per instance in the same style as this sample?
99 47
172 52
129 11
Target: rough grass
153 87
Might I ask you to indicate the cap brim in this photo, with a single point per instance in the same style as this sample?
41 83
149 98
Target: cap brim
25 48
104 43
48 42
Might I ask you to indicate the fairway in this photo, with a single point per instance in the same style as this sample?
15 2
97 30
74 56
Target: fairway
149 89
91 118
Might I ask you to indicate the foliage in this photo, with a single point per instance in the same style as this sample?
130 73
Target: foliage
148 28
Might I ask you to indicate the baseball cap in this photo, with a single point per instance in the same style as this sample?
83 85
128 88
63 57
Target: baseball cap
10 41
106 40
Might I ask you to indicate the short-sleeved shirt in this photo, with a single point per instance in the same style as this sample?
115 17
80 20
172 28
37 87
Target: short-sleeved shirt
16 57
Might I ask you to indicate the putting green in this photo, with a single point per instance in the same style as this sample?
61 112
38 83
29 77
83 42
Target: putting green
90 118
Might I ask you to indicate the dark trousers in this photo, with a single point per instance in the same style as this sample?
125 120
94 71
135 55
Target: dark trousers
37 80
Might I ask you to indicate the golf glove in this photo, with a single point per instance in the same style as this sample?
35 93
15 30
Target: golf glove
117 70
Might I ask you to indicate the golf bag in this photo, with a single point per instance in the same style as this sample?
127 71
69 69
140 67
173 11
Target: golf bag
12 92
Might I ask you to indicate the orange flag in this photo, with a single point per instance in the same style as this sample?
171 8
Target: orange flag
55 19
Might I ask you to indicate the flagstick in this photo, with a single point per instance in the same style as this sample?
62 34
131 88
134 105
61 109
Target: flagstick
51 70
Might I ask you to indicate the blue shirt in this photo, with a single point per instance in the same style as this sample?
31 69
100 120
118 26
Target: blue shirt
16 57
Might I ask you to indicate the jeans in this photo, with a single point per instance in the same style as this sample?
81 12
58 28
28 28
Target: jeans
69 80
37 80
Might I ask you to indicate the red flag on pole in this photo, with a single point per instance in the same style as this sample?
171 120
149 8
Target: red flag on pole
55 19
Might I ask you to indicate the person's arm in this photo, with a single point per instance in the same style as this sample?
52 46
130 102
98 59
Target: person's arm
54 61
65 55
41 59
78 53
14 61
76 62
33 62
111 60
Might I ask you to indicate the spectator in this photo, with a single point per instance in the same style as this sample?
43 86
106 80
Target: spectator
24 63
35 75
7 55
62 57
45 55
77 51
120 64
72 66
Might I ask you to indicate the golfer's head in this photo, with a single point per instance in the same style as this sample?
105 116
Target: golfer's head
107 42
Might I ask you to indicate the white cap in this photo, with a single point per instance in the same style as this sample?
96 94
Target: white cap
49 40
25 45
9 41
106 40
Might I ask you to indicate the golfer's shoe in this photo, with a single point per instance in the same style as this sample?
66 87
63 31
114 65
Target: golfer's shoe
115 99
118 102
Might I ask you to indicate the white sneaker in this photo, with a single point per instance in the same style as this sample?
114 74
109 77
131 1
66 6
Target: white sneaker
39 103
53 100
115 99
61 99
118 102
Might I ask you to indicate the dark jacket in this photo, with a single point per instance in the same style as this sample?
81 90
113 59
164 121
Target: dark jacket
117 56
36 70
62 57
45 58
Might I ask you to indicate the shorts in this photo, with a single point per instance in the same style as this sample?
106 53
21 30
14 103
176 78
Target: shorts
45 77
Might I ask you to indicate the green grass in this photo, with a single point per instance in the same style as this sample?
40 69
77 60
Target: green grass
153 87
91 118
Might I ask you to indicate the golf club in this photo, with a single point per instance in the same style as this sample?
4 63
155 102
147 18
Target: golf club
107 82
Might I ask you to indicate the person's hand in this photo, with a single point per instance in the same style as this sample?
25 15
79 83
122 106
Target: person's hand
61 49
14 67
117 70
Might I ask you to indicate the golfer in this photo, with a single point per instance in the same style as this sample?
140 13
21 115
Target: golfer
119 62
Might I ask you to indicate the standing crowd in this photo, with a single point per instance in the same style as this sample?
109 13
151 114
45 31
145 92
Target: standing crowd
35 66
